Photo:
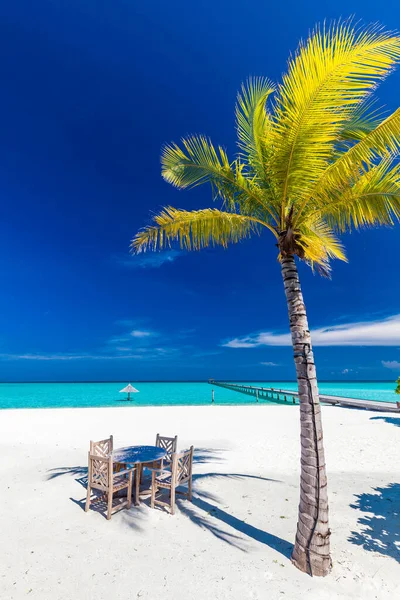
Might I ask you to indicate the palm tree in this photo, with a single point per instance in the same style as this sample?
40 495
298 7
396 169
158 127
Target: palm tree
317 161
397 390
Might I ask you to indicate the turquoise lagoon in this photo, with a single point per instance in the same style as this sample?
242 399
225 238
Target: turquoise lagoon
87 395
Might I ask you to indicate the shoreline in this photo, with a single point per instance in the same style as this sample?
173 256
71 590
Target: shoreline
157 406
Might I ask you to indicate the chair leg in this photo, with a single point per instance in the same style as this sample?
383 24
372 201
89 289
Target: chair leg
140 467
87 505
190 490
109 504
129 498
153 489
172 500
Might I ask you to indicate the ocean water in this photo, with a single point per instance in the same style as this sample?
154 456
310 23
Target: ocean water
74 395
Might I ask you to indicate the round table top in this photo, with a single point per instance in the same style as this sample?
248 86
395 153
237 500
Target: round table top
138 454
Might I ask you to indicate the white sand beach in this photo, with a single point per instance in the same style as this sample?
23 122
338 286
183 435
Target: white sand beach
233 542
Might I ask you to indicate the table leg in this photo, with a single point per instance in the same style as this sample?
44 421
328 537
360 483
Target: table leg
137 485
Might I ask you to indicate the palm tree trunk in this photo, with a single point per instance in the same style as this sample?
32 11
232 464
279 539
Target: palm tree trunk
311 553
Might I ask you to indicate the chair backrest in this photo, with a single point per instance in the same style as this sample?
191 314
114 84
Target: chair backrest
103 447
100 473
170 444
182 463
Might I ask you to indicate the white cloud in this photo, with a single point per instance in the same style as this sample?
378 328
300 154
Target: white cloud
68 357
158 354
150 260
384 332
131 345
245 342
140 333
391 364
269 364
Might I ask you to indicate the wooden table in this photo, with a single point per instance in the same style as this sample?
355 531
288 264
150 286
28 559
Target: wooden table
138 455
134 455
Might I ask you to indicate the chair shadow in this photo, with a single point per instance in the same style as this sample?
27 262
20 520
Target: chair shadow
380 531
391 420
100 506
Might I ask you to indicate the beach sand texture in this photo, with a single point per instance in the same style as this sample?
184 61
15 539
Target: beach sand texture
233 542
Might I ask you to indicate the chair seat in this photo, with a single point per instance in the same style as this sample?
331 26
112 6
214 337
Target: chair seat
119 483
165 479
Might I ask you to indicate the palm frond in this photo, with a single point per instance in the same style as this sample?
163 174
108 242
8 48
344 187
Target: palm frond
195 229
200 162
320 245
253 123
381 143
364 118
373 200
328 77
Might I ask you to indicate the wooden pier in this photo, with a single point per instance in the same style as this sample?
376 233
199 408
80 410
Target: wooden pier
291 397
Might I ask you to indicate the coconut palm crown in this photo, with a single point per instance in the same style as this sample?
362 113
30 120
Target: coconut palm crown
316 158
314 161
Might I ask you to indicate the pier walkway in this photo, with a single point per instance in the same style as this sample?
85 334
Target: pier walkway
292 397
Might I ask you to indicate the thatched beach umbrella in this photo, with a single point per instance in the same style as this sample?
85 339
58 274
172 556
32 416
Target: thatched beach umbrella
129 389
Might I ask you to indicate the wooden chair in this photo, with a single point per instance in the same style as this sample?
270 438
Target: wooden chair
103 447
101 476
170 444
180 474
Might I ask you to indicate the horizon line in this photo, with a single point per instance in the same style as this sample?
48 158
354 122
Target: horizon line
203 381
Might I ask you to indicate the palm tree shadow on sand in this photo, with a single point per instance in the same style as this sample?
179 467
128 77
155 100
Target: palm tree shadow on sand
379 530
204 513
210 517
201 511
392 420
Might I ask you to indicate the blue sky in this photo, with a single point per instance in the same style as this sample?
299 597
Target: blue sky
90 92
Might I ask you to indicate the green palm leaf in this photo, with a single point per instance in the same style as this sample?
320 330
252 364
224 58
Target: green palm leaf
374 199
253 125
200 162
194 230
381 143
328 77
